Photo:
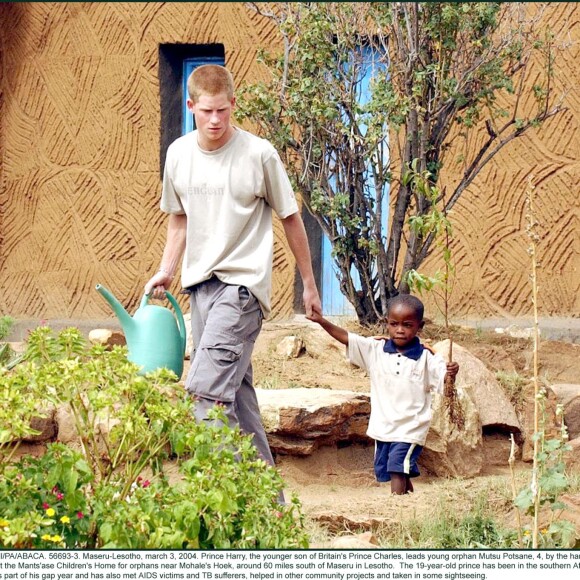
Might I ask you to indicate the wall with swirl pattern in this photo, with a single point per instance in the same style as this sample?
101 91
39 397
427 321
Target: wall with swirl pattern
80 151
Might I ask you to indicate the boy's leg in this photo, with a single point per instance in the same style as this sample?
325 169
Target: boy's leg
402 466
398 483
381 461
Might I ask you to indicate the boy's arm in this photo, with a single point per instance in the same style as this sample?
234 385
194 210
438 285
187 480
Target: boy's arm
335 331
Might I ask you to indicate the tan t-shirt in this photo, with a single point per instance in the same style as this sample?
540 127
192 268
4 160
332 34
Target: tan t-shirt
228 196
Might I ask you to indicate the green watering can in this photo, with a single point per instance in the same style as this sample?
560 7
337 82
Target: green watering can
155 336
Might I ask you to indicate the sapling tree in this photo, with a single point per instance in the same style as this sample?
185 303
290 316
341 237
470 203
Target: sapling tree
439 284
362 92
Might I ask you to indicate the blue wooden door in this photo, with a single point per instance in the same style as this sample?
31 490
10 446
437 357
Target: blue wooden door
189 64
334 302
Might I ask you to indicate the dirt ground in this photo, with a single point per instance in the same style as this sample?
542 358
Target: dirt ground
336 486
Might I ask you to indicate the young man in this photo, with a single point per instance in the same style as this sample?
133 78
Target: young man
403 374
220 186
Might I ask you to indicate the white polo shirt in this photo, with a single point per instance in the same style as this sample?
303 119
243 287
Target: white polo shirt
401 389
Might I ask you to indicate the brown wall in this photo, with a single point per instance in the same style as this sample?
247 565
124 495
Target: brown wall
490 241
80 147
80 165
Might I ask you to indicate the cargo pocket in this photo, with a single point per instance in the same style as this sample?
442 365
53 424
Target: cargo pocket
215 372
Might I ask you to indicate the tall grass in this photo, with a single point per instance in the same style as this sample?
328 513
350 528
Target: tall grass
6 323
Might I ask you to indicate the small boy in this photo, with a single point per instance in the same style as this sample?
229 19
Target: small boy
403 374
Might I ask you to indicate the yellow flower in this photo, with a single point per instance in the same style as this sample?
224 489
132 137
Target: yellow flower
50 512
4 523
56 538
46 537
65 520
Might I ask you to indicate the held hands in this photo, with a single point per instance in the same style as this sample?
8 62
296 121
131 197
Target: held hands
315 316
452 369
312 304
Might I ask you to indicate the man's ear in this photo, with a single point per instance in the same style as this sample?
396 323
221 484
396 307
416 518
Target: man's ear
421 324
189 104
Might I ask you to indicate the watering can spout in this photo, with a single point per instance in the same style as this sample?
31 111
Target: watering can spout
124 317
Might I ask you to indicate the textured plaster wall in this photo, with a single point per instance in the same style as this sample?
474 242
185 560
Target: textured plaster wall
79 165
79 147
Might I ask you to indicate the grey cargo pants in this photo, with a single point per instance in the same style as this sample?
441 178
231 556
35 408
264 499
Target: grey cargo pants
225 322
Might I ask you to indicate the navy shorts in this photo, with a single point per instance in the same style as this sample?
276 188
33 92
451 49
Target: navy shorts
396 458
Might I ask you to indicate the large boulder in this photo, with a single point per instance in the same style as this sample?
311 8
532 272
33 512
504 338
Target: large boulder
451 451
495 409
298 421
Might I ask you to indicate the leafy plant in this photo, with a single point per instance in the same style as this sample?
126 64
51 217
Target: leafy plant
353 112
113 491
6 323
549 479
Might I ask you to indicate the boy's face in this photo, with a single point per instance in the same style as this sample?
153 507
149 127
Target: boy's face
212 119
403 325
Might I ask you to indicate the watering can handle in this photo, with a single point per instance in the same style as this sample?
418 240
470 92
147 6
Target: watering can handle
178 314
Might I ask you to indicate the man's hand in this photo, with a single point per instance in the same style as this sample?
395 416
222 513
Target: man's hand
312 304
158 284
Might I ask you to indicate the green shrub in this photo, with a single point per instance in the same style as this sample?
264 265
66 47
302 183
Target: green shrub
6 323
113 491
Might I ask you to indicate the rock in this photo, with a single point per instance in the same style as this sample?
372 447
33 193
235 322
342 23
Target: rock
364 541
67 432
450 451
497 448
107 337
46 425
572 418
17 347
516 332
298 421
565 393
572 458
494 408
568 395
290 347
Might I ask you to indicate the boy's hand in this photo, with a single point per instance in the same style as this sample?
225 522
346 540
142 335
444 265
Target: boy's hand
452 369
315 316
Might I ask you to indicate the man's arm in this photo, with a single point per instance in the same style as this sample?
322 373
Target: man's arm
298 242
172 254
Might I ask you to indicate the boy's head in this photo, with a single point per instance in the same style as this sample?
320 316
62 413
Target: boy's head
404 318
211 80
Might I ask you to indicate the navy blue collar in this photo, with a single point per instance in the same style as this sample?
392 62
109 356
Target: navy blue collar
413 351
